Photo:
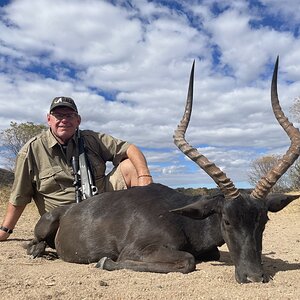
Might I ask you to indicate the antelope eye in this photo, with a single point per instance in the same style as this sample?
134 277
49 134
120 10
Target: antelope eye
227 222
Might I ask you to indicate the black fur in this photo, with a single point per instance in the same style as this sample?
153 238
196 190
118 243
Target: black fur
150 229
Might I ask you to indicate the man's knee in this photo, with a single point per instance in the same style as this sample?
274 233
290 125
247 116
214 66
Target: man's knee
129 173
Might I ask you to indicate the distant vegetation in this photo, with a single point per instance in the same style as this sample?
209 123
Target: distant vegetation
6 178
203 191
14 138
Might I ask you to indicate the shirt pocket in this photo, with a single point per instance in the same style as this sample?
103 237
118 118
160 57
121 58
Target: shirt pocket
49 180
97 166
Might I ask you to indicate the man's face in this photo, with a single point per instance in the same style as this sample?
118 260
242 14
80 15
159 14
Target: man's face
63 122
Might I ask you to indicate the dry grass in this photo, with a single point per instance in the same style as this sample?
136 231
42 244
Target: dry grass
4 197
4 194
294 206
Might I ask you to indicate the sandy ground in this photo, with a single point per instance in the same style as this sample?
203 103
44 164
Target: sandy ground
25 278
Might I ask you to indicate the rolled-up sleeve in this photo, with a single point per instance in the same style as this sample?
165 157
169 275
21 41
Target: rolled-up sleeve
113 149
106 146
22 190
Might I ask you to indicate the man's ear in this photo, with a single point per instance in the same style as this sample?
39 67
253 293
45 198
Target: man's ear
48 119
201 209
276 202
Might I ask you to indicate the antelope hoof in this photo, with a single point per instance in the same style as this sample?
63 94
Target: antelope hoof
101 262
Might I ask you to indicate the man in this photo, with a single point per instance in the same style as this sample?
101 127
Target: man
44 169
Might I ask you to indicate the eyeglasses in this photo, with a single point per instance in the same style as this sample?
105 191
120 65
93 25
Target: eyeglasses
69 116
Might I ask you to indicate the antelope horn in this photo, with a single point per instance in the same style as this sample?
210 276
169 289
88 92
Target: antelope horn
219 177
265 184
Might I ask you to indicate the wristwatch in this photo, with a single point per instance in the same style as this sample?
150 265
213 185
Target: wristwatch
3 228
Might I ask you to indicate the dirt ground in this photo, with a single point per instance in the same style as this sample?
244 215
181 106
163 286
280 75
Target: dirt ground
25 278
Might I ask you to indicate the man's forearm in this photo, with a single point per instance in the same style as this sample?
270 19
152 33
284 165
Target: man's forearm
138 160
140 164
11 218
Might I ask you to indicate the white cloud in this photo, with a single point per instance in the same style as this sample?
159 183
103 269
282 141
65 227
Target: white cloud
287 11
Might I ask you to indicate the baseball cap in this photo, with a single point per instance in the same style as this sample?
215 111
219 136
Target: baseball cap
63 101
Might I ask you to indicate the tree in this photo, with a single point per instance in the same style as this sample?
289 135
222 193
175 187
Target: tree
295 176
295 170
261 166
295 109
13 139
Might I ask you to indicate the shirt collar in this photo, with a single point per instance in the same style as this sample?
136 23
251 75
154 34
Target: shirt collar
52 141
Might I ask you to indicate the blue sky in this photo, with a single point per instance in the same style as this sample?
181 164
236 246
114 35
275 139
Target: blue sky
127 64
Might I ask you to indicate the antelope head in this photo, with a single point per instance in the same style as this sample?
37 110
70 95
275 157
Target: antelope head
242 216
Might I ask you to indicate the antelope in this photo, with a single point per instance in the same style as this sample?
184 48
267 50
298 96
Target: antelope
157 229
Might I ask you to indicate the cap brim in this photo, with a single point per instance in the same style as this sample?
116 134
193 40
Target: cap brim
69 105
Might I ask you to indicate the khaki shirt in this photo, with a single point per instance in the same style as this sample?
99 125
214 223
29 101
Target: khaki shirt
44 170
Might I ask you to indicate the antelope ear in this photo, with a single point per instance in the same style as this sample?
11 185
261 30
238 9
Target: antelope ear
276 202
201 209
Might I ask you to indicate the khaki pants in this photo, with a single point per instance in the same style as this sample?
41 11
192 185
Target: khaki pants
114 180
